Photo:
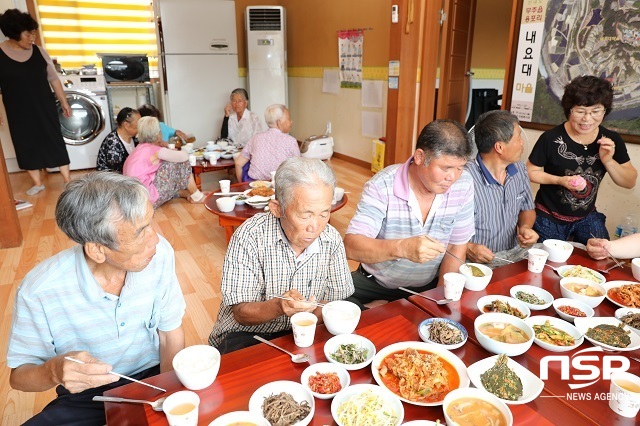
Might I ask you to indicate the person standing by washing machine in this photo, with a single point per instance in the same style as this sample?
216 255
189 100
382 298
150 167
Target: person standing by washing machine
27 76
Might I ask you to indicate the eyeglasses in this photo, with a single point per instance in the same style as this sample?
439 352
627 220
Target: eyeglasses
580 113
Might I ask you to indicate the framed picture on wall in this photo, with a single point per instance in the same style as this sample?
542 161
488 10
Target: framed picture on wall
559 40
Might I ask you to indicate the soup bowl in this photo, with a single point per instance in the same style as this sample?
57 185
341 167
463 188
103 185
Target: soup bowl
502 347
460 399
559 251
566 285
476 283
197 366
341 317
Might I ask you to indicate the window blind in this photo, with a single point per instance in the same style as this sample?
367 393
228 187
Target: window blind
74 31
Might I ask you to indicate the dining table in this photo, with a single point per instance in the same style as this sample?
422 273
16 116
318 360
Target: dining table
236 217
205 166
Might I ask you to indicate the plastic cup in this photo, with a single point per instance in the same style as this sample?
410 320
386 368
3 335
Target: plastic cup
453 285
304 328
338 193
225 186
181 408
171 146
537 259
273 176
625 394
192 160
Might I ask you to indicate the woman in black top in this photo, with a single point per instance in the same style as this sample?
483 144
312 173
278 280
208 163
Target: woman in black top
570 161
117 145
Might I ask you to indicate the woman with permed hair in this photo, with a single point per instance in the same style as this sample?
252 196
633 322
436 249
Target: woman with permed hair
570 161
27 76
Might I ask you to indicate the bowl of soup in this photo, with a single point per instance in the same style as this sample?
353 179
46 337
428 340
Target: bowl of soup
582 290
559 251
472 406
503 334
340 317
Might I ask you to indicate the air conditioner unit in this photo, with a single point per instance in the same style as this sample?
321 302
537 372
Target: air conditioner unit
266 57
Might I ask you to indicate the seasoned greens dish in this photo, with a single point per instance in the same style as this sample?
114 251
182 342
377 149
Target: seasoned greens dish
610 335
552 335
503 308
532 299
350 354
502 381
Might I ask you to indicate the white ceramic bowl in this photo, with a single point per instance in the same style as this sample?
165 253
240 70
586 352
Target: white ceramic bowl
239 417
197 366
635 268
295 389
624 311
341 317
514 303
479 394
325 367
212 155
559 251
476 283
560 325
222 143
226 155
390 401
226 204
238 201
540 293
424 330
331 346
591 301
493 346
565 301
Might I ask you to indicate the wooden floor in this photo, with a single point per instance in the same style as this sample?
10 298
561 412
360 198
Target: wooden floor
193 232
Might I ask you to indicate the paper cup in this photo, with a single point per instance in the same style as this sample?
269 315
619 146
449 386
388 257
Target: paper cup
304 328
537 259
453 285
171 146
181 408
273 176
338 193
625 394
225 186
192 160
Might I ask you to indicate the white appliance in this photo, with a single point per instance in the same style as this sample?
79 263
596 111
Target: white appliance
198 55
266 57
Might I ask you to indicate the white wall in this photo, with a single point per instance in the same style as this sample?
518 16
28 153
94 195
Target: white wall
613 201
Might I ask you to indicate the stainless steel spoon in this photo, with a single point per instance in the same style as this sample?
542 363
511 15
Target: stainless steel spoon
156 405
439 302
297 358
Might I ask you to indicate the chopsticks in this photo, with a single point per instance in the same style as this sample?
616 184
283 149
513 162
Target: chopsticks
294 300
228 193
503 259
118 374
446 251
618 264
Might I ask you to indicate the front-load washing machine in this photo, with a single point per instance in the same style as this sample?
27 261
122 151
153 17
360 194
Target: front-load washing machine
88 125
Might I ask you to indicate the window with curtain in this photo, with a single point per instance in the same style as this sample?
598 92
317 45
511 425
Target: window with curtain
74 31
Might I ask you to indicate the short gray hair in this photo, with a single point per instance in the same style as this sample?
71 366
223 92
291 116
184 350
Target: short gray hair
444 137
90 207
273 113
148 129
494 126
300 171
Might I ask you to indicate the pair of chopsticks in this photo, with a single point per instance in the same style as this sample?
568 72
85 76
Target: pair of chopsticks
228 193
117 374
446 251
618 264
294 300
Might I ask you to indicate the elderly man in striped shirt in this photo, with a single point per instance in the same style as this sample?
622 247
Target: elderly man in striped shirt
504 208
409 214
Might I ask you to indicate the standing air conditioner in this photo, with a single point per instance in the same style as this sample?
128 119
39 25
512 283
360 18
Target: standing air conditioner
267 57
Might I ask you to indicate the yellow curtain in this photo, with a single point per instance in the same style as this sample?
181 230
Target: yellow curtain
74 31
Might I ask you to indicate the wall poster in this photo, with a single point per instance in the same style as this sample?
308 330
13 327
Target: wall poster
350 52
563 39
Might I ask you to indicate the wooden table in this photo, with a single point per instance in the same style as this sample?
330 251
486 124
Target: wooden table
244 371
237 216
204 166
465 311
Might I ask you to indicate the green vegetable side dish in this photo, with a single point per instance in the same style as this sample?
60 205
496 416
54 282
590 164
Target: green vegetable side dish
350 354
502 381
532 299
475 271
610 335
503 308
552 335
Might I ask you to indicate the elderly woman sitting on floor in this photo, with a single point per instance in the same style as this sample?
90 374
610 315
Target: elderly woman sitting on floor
166 173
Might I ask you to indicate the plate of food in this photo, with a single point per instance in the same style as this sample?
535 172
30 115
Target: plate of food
504 305
506 379
608 332
554 334
260 191
370 404
625 294
425 366
443 332
630 317
577 271
260 184
283 402
535 298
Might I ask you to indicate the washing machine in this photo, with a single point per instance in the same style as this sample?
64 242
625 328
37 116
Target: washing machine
88 125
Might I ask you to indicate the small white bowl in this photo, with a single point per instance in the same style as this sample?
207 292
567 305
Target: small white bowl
514 303
424 330
635 268
560 325
479 394
226 204
240 202
222 144
540 293
226 156
295 389
624 311
197 366
476 283
493 346
341 317
564 301
211 155
591 301
391 402
559 251
331 346
325 367
239 417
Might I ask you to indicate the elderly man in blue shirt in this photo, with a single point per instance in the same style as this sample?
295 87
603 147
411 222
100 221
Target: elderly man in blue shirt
112 302
504 210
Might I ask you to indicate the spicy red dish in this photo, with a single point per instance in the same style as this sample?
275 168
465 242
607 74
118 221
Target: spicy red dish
325 383
570 310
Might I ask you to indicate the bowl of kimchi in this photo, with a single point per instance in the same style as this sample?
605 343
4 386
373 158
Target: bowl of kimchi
324 379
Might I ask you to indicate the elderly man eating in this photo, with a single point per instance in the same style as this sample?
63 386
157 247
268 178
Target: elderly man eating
291 251
113 302
409 214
